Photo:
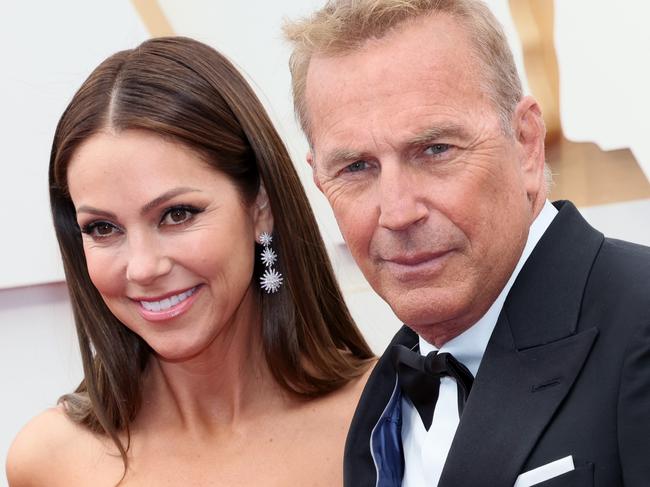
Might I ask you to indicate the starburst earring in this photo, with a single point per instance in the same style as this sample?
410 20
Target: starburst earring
271 280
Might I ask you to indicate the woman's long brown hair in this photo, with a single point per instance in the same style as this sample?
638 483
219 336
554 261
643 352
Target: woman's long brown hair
187 92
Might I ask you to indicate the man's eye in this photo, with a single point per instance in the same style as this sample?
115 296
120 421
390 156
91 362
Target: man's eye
437 149
178 215
356 166
99 229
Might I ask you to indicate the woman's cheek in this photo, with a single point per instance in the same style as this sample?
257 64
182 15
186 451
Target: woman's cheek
104 273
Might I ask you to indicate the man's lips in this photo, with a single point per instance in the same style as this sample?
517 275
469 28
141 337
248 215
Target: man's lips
415 259
416 266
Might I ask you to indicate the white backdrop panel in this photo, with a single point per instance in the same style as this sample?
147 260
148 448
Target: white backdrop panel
47 49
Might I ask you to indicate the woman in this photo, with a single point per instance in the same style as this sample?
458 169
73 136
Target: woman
216 345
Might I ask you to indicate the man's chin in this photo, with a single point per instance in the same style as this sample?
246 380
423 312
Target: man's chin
418 307
432 323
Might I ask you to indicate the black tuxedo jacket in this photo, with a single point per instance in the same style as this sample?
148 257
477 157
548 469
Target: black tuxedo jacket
566 372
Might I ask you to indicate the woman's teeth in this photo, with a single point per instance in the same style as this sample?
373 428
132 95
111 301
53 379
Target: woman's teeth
167 303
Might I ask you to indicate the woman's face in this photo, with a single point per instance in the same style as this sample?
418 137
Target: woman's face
168 240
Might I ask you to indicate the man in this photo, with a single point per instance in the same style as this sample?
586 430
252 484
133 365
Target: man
433 162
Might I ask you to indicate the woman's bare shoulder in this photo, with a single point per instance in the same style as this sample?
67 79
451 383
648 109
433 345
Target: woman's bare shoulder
46 449
346 398
324 423
352 391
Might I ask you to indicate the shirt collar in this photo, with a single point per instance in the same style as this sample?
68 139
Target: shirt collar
469 346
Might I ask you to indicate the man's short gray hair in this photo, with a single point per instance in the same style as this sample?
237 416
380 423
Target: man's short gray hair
344 25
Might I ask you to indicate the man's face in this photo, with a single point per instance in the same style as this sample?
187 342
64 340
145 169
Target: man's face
433 199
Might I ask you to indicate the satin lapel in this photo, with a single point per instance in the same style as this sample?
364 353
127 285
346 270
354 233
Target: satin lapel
358 466
513 398
533 358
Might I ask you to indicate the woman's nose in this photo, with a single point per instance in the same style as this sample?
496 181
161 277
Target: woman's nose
147 260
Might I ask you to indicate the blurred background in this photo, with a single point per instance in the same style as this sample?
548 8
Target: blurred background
585 60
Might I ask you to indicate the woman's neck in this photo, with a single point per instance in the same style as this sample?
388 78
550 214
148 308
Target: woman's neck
227 384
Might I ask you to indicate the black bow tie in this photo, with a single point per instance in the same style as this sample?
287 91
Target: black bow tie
419 378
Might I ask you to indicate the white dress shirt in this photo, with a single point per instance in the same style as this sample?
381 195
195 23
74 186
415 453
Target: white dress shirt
425 452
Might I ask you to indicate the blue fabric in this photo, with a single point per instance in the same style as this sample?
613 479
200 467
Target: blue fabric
386 443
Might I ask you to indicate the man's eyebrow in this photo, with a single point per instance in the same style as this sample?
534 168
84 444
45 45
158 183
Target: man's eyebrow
338 155
166 196
438 132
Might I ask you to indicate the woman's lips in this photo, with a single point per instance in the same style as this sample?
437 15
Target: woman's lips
170 306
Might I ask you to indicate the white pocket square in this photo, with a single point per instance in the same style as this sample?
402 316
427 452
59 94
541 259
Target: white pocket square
545 472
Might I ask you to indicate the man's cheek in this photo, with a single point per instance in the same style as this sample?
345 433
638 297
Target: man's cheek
357 236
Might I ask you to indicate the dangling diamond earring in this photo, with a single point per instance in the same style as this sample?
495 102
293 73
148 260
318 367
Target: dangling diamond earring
271 280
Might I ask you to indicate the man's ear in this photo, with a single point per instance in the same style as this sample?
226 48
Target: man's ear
310 161
529 133
262 214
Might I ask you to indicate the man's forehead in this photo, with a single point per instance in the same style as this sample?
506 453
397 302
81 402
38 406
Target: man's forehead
403 57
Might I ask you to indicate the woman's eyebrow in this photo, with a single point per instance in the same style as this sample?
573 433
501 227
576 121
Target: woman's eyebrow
95 211
166 196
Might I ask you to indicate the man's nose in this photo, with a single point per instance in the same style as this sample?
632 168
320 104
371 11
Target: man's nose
400 202
146 260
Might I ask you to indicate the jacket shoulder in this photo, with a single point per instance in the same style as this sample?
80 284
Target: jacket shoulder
624 269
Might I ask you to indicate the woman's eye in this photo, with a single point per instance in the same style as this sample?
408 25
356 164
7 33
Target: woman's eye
100 229
178 215
437 149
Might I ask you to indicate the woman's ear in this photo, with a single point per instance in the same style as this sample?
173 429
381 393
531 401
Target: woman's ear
262 214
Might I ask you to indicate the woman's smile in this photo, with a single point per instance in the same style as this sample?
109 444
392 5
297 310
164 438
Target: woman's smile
165 308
